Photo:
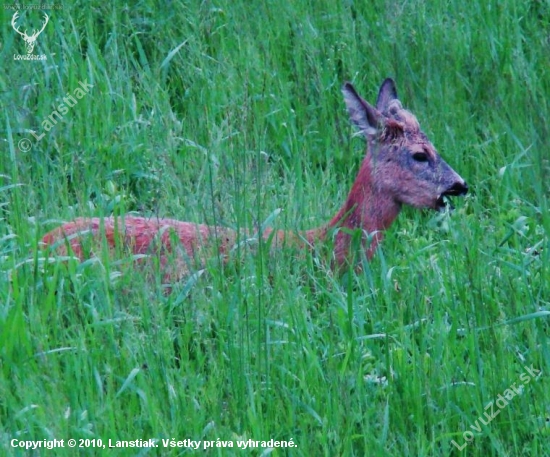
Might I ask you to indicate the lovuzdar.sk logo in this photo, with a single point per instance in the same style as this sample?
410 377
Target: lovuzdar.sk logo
30 40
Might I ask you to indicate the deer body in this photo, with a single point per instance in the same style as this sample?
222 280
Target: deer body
401 166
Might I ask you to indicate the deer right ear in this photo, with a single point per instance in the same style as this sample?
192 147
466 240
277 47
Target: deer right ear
387 93
361 113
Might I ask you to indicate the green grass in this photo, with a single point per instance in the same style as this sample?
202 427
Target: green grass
222 112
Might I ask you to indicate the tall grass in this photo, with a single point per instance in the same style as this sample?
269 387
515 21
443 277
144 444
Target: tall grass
223 112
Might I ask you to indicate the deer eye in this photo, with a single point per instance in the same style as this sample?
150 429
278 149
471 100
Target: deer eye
420 156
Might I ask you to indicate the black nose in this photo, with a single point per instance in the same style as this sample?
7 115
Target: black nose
458 188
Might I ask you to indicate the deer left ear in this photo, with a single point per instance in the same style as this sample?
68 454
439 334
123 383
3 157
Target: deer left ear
387 93
361 113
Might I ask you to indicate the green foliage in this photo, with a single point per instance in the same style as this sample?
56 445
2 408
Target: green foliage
223 112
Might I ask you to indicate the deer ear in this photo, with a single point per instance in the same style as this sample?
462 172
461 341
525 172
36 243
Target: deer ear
387 93
361 113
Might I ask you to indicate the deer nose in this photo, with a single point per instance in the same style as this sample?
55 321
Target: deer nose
458 188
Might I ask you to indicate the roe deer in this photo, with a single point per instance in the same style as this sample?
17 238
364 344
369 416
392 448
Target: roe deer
400 166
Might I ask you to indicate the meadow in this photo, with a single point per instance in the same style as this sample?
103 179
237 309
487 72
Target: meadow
230 113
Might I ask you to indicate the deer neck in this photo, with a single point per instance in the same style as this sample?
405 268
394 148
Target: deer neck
367 209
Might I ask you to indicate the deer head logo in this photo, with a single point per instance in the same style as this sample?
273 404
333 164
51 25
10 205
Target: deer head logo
30 41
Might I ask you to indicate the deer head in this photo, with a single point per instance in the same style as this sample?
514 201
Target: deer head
405 167
30 41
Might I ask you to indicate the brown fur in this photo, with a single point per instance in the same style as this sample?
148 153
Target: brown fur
400 166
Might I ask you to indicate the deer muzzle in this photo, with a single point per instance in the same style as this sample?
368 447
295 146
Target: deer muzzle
457 189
